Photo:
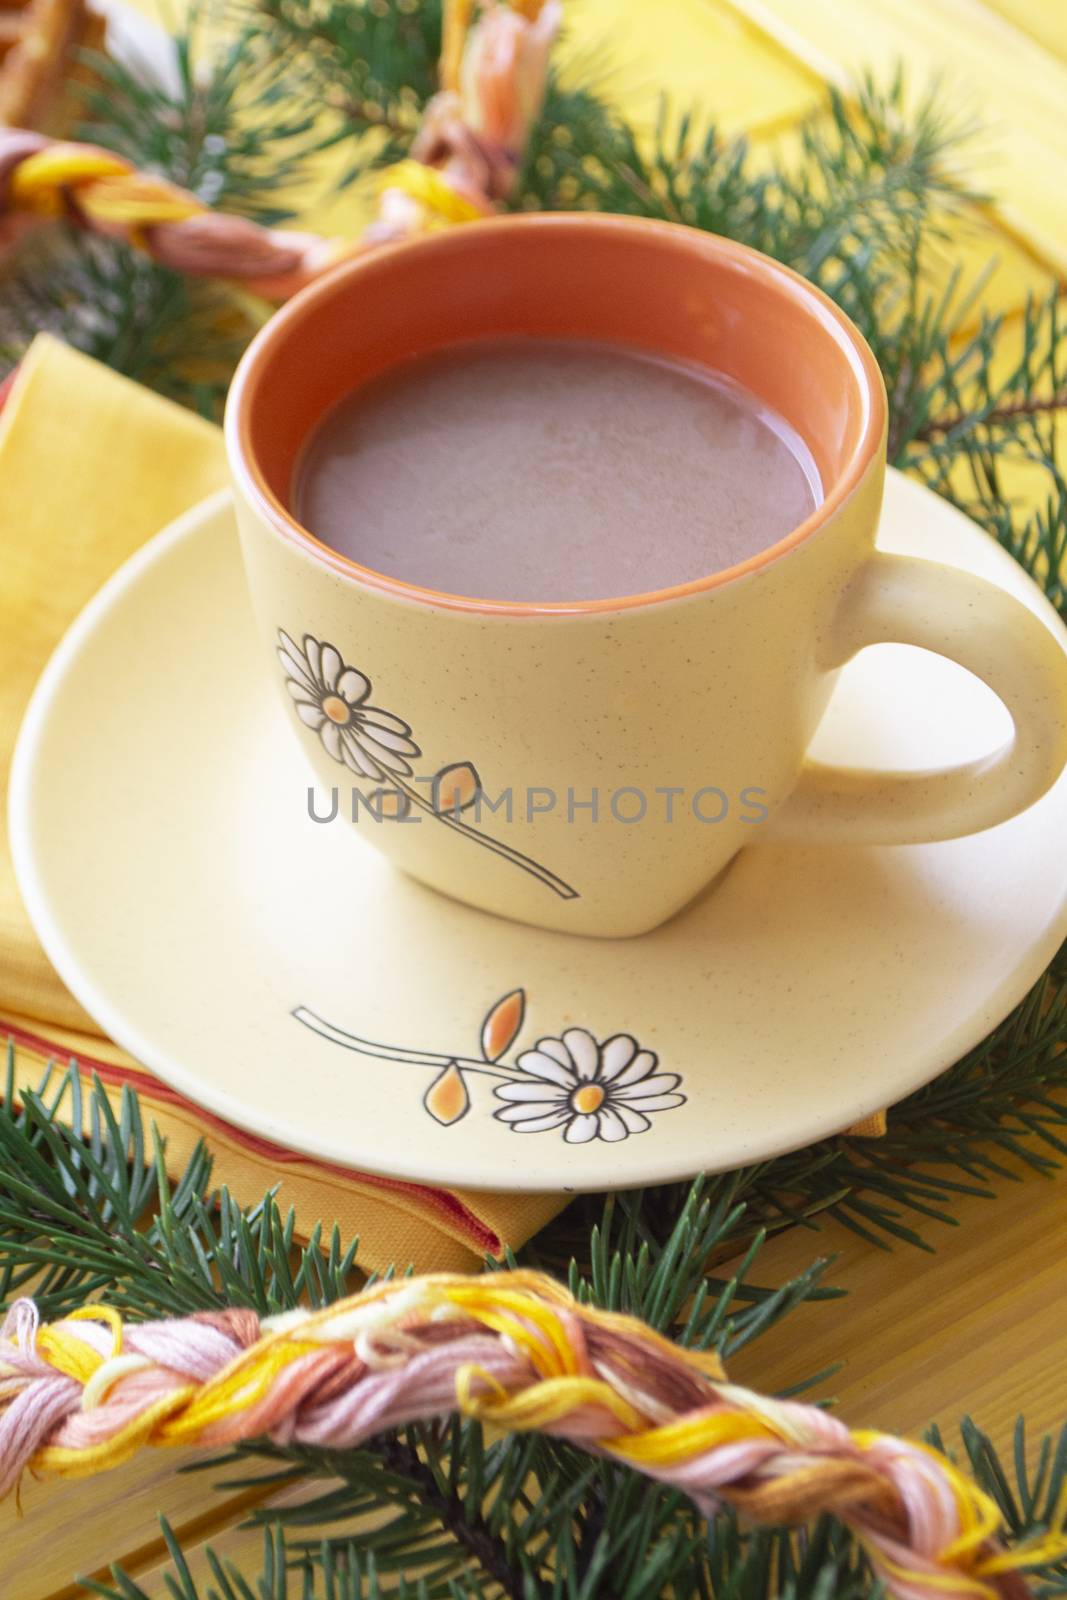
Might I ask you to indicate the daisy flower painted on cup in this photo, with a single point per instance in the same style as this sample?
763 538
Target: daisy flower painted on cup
575 1084
331 699
592 1091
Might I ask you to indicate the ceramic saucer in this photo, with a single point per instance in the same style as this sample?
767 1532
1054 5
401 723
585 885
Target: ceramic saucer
281 973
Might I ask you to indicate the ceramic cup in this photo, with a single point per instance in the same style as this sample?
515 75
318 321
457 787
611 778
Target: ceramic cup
590 766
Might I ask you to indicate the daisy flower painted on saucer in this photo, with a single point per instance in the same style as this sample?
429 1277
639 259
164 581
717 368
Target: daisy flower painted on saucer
574 1085
592 1091
331 698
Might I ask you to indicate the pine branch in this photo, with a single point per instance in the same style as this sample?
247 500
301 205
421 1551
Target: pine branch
342 1575
179 336
727 1562
362 71
99 1218
226 131
1006 412
432 1504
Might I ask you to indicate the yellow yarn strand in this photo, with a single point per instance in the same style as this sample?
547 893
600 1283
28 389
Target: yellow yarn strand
482 1305
237 1389
108 1316
455 22
546 1403
1042 1552
953 1583
978 1514
37 184
134 201
144 1429
104 188
680 1441
431 189
70 1356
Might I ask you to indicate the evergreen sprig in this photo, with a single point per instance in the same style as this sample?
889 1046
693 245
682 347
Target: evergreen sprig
362 72
178 336
219 120
97 1217
441 1510
535 1538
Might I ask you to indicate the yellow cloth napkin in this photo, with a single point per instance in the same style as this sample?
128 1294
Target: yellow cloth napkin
91 466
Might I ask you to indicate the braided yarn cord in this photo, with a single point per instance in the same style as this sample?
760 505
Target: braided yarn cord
515 1350
463 163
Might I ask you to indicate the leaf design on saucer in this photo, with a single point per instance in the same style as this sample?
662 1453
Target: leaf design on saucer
502 1024
447 1099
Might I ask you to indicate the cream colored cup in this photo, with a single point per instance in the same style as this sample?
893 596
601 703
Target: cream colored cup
686 712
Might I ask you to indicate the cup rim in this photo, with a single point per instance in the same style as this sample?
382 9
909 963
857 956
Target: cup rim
252 482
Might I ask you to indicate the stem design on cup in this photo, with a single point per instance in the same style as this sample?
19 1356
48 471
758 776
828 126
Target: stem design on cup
587 1087
333 700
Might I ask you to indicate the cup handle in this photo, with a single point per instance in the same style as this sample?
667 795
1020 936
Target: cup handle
905 600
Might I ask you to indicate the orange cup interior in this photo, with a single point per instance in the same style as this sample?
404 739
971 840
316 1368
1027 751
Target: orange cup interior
670 289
